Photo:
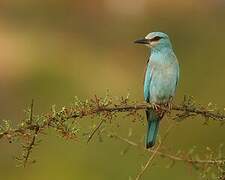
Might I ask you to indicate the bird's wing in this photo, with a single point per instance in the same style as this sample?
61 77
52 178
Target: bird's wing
147 81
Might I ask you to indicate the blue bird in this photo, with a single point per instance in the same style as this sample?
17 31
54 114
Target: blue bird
161 78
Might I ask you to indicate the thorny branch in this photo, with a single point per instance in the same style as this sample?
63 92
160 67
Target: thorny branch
187 158
170 156
151 158
153 155
95 130
29 148
106 109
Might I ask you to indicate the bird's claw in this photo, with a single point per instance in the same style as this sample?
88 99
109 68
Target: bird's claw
170 106
158 109
155 106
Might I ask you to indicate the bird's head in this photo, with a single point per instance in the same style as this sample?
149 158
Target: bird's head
155 40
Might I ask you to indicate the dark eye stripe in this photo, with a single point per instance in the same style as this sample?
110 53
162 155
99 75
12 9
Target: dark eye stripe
156 38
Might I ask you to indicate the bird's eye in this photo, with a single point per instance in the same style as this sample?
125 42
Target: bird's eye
156 38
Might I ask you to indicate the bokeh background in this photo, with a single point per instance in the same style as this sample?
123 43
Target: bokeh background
52 51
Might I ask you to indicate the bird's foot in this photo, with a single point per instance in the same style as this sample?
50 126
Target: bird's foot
158 109
155 106
169 105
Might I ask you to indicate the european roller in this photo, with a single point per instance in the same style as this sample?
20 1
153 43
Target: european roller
161 77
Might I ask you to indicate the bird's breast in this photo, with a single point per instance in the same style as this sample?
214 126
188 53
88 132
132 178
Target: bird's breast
163 82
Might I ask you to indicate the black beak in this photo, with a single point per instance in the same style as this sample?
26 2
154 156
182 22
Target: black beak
142 41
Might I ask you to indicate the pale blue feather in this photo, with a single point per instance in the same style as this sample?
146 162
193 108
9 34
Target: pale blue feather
161 78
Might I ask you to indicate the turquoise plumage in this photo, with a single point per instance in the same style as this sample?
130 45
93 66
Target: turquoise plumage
161 77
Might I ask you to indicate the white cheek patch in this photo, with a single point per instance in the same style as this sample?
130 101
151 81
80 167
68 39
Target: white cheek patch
153 43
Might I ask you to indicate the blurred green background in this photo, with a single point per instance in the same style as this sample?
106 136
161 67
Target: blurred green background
54 50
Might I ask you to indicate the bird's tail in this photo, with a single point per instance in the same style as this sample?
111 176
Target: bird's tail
153 125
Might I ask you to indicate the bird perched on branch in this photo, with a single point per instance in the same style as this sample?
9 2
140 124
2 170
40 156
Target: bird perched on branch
161 77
